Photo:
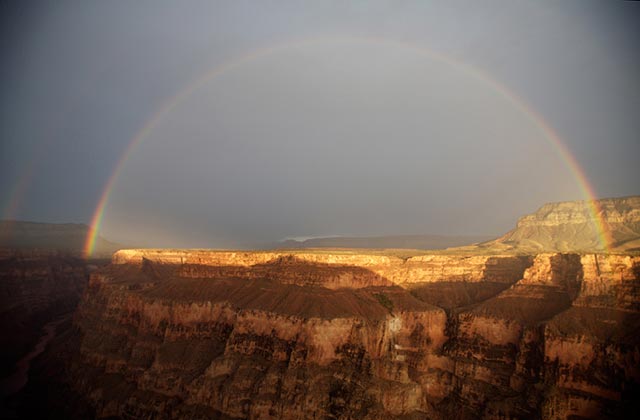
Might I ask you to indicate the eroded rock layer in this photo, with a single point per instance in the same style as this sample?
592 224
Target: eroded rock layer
196 334
577 225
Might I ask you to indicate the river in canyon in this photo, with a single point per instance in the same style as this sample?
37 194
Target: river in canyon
11 385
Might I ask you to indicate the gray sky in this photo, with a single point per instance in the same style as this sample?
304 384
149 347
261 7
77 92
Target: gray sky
362 131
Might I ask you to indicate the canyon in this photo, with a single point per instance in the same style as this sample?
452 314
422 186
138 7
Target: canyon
36 286
485 331
172 334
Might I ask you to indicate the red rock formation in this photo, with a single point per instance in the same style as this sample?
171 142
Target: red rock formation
592 350
418 269
252 345
572 226
304 335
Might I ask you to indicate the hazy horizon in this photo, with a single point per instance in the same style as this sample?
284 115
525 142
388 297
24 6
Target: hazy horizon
262 122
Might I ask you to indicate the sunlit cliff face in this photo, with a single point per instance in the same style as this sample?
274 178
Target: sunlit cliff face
345 136
304 333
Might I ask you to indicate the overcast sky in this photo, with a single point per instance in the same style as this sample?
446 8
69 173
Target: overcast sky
329 118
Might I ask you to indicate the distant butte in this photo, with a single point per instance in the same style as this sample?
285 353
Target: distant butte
574 226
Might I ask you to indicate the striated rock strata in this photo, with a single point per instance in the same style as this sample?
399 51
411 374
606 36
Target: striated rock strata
197 334
576 225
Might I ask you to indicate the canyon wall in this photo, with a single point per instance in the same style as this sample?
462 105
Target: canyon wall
395 270
35 287
203 334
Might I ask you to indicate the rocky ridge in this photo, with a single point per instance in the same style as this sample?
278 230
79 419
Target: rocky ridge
570 226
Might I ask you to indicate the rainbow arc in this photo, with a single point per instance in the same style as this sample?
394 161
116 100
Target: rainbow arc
549 133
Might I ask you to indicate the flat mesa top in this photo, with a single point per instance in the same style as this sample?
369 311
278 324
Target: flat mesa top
324 255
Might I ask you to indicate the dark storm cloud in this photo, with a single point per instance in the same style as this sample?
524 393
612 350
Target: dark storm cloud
79 79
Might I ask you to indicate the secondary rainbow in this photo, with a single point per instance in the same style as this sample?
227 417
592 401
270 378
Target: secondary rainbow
549 133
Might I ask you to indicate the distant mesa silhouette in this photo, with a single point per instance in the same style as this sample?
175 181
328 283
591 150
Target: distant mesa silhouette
66 237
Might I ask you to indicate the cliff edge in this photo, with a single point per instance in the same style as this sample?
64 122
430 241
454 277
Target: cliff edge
198 334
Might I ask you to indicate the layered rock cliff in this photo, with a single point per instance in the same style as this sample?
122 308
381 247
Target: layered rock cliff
577 226
197 334
418 269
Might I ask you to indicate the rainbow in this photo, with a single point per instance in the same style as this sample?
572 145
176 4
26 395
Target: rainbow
19 190
549 133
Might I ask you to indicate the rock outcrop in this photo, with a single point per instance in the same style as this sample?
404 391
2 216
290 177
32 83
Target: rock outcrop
176 334
576 226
